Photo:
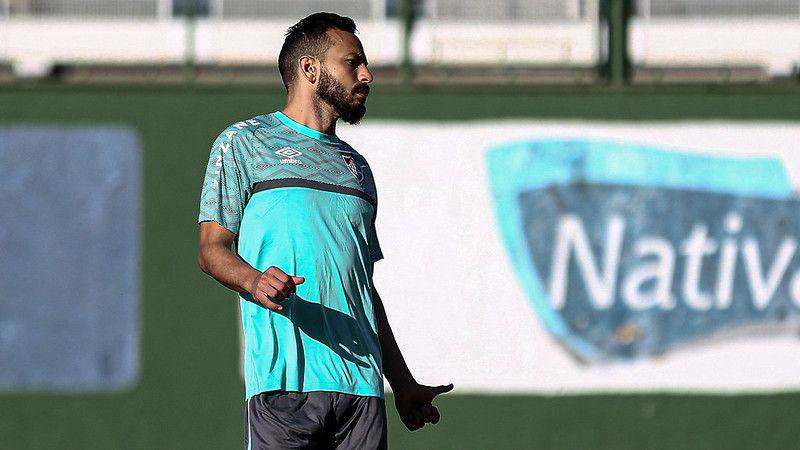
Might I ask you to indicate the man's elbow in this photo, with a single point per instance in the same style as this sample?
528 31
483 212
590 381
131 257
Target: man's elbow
203 260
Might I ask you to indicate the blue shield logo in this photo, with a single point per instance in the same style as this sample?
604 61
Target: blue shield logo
628 251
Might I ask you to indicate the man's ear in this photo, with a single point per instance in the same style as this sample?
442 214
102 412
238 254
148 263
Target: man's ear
309 68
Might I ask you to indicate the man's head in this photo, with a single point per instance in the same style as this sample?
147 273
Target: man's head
307 37
322 52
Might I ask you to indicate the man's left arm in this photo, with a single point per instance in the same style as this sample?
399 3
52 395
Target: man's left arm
413 400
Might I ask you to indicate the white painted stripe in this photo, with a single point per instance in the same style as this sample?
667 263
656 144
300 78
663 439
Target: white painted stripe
249 427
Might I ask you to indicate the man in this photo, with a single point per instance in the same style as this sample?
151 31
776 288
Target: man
300 206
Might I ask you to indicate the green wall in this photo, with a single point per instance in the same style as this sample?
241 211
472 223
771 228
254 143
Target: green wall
190 394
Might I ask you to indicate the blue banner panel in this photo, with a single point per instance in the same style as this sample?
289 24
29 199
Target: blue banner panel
70 216
629 251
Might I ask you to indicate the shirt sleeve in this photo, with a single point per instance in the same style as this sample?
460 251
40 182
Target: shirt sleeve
226 187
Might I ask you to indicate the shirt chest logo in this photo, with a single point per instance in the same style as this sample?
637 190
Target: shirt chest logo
354 167
289 154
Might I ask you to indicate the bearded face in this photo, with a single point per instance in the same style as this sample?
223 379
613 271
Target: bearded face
349 107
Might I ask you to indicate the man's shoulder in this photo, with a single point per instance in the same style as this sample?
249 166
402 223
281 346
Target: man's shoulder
258 123
242 133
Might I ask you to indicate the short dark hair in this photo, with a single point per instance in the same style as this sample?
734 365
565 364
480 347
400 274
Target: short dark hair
307 37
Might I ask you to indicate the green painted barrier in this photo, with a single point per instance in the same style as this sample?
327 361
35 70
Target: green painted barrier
189 393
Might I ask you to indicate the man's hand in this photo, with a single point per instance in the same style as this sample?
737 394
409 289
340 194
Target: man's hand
415 406
274 286
216 258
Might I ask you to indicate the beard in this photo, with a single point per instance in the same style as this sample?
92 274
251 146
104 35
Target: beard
333 92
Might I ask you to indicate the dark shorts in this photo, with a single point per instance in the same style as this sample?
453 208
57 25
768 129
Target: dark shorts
314 420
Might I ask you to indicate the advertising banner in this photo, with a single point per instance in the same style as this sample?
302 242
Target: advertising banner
568 257
70 207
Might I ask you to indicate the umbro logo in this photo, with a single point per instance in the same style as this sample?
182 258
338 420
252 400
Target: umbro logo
288 152
289 155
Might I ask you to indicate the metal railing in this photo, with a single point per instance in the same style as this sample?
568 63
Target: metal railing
357 9
506 10
83 8
718 9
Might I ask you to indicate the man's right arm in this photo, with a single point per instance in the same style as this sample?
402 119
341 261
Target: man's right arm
218 260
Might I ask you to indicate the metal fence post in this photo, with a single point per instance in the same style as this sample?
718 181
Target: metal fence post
407 16
190 69
617 14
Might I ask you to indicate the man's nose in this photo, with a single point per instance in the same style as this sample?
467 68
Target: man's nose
365 75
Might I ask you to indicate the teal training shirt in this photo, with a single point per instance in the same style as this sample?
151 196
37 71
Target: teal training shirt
305 202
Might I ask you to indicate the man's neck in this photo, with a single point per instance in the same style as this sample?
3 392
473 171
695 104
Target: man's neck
318 119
